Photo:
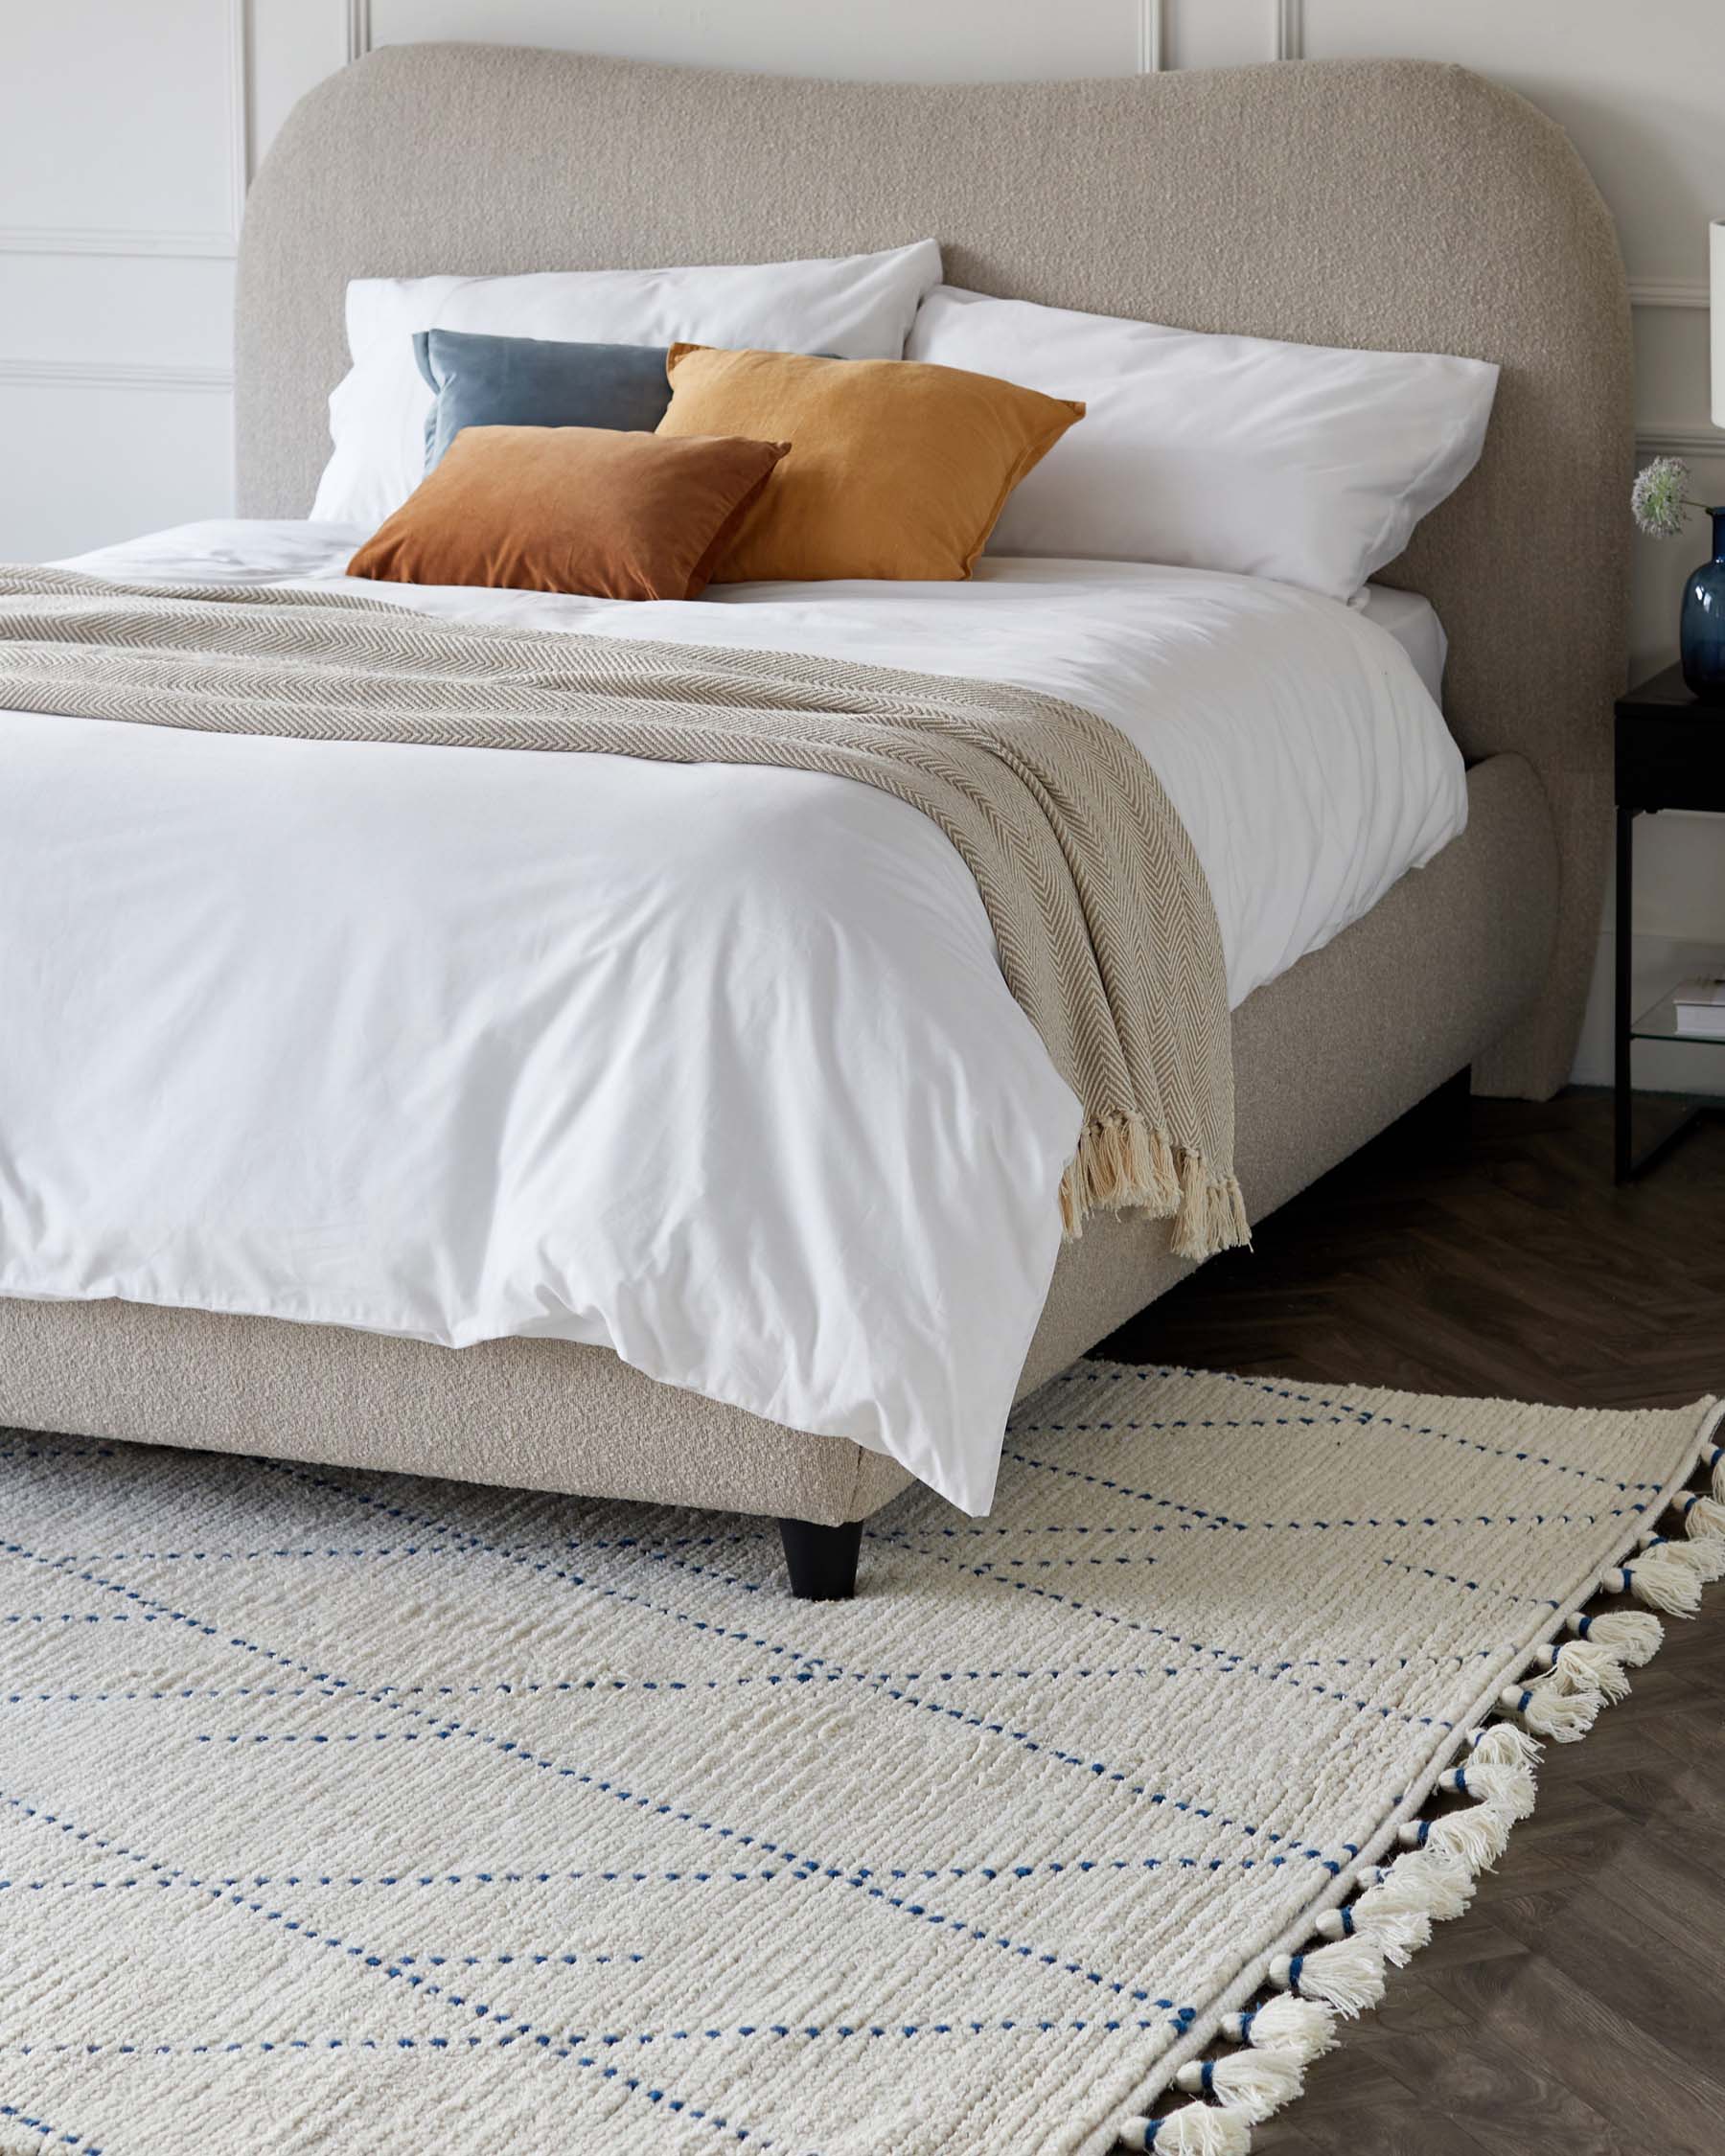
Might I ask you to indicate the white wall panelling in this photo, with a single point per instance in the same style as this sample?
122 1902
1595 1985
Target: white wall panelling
127 135
135 83
1227 32
125 138
293 45
1152 39
1668 292
106 450
118 240
168 310
112 374
928 40
1668 438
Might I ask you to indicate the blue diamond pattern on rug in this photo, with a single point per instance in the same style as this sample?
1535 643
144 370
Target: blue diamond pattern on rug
342 1810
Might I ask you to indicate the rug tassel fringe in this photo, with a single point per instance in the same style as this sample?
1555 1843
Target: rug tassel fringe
1195 2129
1703 1553
1501 1744
1434 1878
1553 1705
1388 1923
1422 1883
1703 1516
1348 1974
1474 1839
1632 1636
1588 1665
1399 1933
1252 2082
1508 1788
1299 2027
1659 1577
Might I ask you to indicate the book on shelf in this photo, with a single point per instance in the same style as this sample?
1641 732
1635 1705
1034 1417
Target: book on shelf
1700 1006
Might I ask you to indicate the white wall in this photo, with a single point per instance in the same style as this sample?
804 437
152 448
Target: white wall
127 133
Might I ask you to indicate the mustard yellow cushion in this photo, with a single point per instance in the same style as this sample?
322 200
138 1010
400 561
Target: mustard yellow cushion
896 468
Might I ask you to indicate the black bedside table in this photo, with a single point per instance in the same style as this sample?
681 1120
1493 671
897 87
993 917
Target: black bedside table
1671 754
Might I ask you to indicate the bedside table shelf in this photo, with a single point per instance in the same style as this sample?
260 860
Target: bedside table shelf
1671 754
1659 1022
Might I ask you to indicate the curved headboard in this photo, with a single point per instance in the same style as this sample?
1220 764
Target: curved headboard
1387 203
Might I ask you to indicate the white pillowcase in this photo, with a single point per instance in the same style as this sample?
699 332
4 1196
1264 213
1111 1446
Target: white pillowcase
1292 460
853 307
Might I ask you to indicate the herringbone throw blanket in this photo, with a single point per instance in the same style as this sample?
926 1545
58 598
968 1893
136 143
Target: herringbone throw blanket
1107 933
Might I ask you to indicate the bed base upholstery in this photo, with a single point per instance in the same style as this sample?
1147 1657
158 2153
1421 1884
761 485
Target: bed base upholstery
1325 1057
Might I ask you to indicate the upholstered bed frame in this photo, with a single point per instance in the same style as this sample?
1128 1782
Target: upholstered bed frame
1391 204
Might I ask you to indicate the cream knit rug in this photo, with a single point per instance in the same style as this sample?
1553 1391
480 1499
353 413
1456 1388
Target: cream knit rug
343 1811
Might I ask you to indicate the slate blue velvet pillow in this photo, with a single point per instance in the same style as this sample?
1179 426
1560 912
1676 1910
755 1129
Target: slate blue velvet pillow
536 381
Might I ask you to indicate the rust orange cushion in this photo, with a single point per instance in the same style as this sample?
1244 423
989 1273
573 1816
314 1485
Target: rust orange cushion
897 470
616 515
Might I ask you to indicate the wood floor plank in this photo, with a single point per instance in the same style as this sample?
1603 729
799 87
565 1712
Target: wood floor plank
1576 2005
1282 2136
1506 2102
1397 2124
1570 2021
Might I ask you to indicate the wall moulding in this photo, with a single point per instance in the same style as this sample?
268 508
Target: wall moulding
1152 37
1659 438
1668 292
117 374
166 242
1287 32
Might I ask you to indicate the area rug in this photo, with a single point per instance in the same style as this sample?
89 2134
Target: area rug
344 1810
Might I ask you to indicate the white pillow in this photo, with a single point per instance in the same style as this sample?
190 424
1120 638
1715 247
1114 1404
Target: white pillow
853 307
1291 461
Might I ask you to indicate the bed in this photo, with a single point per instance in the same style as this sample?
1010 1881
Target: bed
1428 948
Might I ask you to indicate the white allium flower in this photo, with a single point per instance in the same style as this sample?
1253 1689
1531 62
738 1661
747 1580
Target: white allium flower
1657 499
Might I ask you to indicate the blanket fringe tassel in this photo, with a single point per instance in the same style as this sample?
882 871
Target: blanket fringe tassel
1432 1878
1123 1161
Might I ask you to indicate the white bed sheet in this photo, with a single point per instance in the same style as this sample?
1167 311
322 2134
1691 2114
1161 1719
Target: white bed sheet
714 1066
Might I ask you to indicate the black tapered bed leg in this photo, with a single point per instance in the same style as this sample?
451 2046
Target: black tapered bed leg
822 1560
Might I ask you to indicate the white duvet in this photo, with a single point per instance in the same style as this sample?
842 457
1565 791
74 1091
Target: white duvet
711 1065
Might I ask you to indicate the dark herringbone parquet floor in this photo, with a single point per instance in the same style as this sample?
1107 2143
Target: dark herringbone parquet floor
1579 2005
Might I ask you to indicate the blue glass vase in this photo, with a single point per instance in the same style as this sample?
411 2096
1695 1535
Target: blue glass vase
1702 637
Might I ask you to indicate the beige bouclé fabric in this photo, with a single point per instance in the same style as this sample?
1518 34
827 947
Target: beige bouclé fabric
1106 932
349 1811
